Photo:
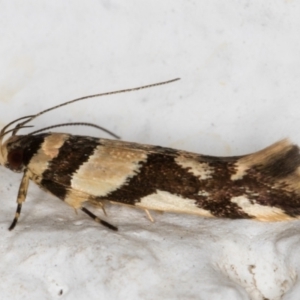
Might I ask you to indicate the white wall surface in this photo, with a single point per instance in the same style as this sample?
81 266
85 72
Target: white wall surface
239 63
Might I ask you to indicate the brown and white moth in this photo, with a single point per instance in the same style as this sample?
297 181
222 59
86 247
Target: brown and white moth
262 186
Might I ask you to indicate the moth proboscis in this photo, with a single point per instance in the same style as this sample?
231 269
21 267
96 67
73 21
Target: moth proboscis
82 169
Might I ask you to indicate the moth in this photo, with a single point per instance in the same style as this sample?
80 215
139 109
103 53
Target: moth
82 169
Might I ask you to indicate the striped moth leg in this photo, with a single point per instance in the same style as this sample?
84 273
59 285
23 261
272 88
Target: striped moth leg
21 197
98 220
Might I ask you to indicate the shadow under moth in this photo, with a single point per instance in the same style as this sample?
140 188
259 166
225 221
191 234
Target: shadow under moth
78 169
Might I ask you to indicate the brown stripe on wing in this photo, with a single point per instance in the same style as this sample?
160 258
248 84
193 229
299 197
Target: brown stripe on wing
31 145
54 188
75 151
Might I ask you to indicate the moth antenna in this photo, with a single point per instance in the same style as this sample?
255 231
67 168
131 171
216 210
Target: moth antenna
75 124
92 96
12 122
11 130
3 132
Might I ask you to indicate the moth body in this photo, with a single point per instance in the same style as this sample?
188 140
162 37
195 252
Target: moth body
79 169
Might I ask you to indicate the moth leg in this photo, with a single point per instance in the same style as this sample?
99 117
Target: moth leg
149 215
103 209
101 204
98 203
95 218
21 198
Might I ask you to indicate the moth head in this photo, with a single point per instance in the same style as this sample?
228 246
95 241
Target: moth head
11 154
11 143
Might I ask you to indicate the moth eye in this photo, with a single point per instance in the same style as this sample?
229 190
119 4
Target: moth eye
15 159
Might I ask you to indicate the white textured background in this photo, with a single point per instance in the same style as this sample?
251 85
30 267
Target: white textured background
240 90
